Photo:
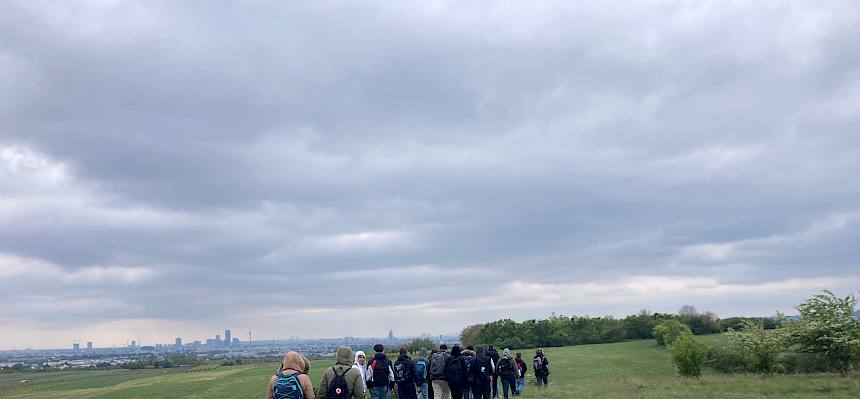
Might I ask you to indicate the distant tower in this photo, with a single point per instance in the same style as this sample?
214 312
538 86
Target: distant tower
217 339
227 339
390 337
249 337
133 344
178 342
76 346
89 345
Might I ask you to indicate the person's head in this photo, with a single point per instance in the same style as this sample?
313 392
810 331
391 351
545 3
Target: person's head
455 351
378 348
403 351
443 348
360 358
482 351
539 352
307 364
506 352
434 351
293 361
344 356
470 348
519 355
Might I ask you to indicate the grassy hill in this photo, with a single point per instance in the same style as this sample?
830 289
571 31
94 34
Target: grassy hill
636 369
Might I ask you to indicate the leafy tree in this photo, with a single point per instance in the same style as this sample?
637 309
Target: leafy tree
827 326
668 331
418 343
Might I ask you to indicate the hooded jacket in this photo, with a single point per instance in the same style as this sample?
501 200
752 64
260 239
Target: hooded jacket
481 360
343 365
293 363
362 369
468 356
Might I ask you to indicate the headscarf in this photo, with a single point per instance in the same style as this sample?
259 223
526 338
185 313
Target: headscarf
362 369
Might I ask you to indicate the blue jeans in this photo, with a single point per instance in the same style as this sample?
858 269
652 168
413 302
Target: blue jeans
508 383
424 390
379 392
521 384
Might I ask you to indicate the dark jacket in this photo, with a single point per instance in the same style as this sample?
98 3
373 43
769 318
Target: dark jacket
481 361
544 370
380 357
455 358
343 365
412 373
493 354
522 366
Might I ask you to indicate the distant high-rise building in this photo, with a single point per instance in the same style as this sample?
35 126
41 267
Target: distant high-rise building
235 341
133 344
217 339
227 340
390 337
76 346
89 345
178 342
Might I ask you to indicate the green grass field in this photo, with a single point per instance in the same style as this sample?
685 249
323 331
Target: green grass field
636 369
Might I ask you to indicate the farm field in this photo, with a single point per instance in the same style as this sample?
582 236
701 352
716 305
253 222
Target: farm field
635 369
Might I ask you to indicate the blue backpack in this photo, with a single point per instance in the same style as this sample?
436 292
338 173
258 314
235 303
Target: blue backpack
287 387
421 370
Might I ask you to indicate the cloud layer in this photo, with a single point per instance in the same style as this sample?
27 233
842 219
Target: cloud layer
332 169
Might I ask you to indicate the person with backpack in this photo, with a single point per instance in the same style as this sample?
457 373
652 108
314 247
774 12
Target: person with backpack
521 373
342 381
291 381
455 373
406 376
507 372
421 370
438 361
380 374
430 375
494 382
482 369
468 357
541 368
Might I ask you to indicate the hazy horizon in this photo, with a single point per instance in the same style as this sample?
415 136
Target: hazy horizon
338 169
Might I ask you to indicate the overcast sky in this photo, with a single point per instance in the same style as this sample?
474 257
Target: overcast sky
329 169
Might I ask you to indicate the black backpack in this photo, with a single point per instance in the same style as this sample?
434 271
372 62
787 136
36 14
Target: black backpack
401 371
454 371
467 365
505 366
338 389
380 371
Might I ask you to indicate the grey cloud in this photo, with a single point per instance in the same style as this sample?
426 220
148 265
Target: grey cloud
258 153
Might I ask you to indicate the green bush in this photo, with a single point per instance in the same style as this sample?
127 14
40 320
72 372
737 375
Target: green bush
688 355
668 331
726 360
794 362
759 348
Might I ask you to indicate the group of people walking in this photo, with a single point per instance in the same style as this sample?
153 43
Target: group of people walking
458 374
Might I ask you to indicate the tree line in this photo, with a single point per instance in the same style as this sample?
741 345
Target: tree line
560 330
